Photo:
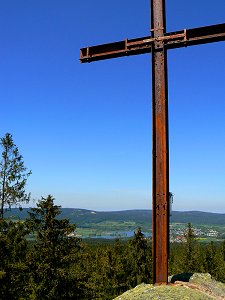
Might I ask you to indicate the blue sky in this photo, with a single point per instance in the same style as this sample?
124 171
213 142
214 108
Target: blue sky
85 129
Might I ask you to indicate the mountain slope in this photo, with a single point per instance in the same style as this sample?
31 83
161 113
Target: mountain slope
83 217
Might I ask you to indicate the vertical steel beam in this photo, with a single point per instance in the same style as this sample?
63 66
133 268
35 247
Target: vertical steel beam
160 154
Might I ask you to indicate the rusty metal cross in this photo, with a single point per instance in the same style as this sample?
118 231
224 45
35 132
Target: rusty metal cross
158 43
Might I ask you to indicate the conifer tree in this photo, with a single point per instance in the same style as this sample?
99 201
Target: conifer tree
51 256
219 265
190 259
13 269
13 175
223 250
140 252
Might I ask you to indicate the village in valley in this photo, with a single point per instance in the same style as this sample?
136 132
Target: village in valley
204 233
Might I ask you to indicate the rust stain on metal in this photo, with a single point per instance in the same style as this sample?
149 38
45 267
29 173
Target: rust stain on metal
186 37
160 172
158 44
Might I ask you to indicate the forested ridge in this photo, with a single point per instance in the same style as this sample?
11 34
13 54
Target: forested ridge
82 217
58 265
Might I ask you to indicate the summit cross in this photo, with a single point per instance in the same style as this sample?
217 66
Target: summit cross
158 43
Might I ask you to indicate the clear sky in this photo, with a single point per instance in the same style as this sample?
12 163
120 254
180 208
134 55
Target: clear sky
85 129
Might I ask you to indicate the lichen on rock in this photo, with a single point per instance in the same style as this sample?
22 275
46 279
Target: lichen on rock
184 286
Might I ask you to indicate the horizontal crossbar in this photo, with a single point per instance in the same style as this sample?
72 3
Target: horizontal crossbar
183 38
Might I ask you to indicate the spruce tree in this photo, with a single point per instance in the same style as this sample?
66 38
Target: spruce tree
190 259
141 257
13 175
51 256
14 272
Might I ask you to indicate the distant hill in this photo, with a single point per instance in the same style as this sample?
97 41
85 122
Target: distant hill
198 217
84 218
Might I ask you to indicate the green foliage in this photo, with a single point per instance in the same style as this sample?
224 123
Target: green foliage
190 261
191 256
140 253
13 175
110 271
115 268
54 251
57 265
13 267
223 250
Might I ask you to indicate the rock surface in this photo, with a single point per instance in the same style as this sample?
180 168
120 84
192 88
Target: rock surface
184 286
